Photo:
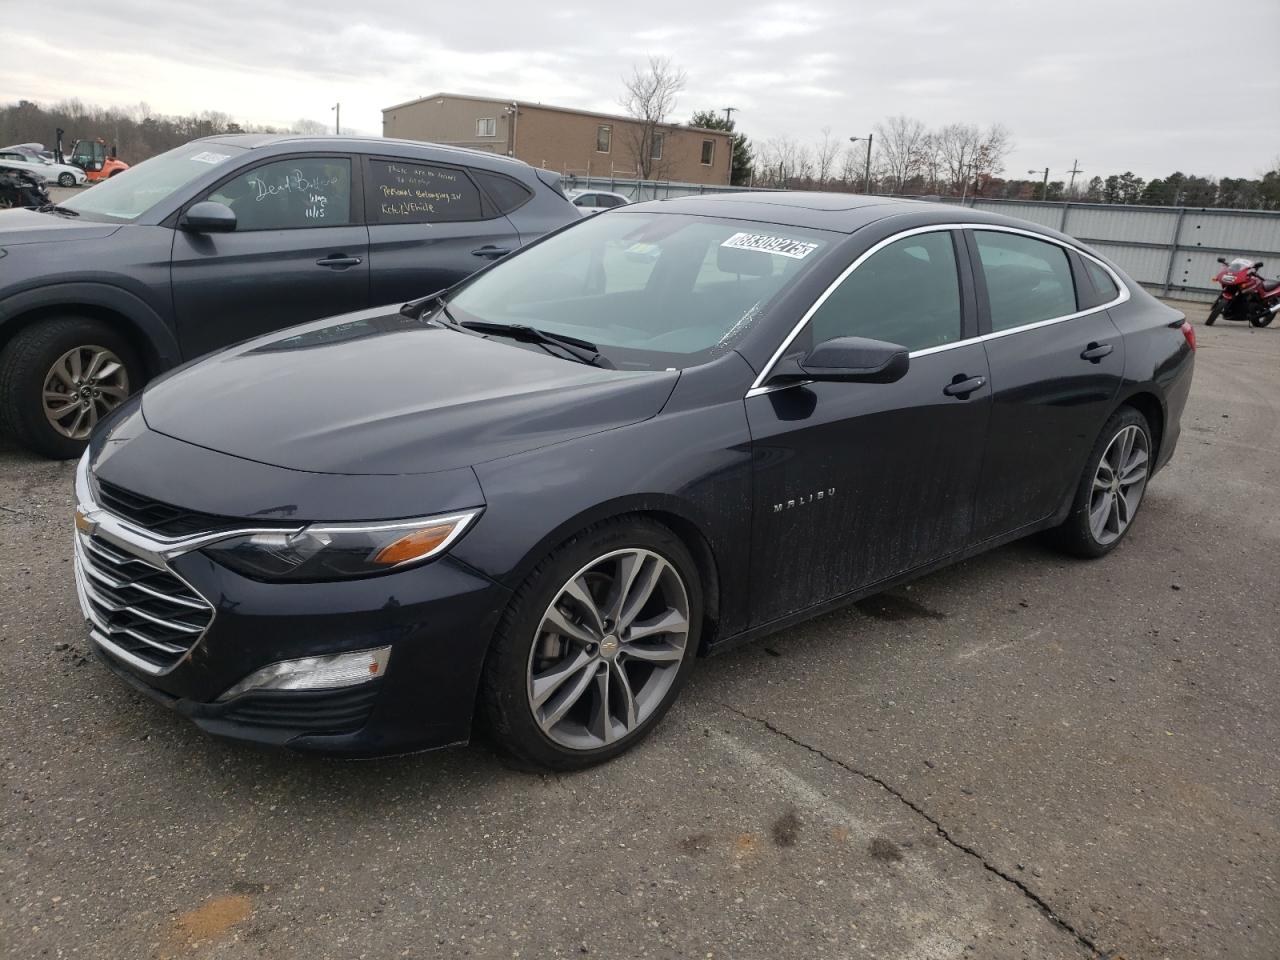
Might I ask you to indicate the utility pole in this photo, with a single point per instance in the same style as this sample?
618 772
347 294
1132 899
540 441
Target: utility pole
337 119
728 114
867 172
1044 190
1075 168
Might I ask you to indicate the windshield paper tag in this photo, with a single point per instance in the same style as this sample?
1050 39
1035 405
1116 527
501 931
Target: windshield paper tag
207 157
781 246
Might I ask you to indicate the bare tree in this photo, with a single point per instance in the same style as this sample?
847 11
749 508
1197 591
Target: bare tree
308 128
988 161
850 165
825 153
781 161
650 97
972 156
900 149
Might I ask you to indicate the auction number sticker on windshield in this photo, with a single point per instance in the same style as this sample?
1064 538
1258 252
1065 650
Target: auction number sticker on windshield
208 157
781 246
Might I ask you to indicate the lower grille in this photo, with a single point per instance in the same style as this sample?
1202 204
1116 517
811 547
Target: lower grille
344 710
146 613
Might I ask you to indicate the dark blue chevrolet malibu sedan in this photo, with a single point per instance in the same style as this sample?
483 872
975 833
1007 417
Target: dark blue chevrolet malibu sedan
532 500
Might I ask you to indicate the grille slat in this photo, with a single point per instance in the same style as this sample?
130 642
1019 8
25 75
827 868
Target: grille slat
156 516
144 610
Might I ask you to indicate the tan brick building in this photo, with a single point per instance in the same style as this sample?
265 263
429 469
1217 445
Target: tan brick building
577 142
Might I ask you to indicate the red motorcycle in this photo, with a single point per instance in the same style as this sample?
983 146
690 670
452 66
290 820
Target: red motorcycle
1246 294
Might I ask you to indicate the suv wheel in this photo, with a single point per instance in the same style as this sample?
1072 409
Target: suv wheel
1110 492
59 377
594 647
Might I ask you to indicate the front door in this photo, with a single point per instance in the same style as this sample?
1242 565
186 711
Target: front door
1054 380
859 482
429 227
299 252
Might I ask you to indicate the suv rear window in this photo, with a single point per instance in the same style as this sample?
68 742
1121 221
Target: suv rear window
506 194
401 191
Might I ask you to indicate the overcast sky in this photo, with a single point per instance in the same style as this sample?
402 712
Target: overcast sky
1142 85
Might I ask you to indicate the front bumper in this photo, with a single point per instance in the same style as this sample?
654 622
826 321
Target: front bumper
437 619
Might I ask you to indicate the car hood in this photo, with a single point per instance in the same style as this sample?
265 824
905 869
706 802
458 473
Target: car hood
378 393
27 226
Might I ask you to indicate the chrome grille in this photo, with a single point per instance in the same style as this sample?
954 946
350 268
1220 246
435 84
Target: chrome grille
144 614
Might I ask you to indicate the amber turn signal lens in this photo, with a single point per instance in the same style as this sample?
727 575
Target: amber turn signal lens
414 545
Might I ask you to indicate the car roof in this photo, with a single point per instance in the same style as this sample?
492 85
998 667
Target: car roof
359 144
839 212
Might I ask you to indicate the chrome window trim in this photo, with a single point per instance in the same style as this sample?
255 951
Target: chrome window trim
758 387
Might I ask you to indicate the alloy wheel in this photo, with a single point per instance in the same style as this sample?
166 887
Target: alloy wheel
1118 484
608 649
82 386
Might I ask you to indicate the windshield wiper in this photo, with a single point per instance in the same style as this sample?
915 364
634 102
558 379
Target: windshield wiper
584 351
57 208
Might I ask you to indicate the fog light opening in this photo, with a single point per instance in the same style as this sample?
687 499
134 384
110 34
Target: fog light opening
316 673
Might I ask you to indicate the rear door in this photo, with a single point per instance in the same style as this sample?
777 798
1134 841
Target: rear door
431 225
299 252
1056 367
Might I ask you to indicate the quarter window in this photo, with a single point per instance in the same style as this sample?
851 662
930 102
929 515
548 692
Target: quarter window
1102 282
287 194
604 138
506 193
401 191
708 152
1028 280
906 293
486 127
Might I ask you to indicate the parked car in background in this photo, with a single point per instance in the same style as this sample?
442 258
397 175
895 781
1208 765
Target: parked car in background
543 493
63 174
18 188
594 201
230 237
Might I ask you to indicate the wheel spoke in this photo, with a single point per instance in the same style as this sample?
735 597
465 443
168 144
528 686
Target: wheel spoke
562 625
96 360
74 364
654 653
109 369
115 393
568 696
625 694
671 621
601 723
1135 469
545 684
641 590
577 589
629 566
1099 514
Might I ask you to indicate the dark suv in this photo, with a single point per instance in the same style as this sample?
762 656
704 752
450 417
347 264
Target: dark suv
226 238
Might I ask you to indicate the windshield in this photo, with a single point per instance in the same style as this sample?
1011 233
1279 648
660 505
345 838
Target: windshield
1240 265
651 290
131 193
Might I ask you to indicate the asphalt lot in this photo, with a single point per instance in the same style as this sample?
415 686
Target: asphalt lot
1021 756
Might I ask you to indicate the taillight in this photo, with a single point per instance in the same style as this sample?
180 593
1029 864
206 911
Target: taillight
1189 334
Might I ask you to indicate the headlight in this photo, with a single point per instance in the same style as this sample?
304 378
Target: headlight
339 551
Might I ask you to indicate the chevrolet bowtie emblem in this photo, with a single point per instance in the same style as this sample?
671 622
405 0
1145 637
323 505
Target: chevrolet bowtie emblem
84 523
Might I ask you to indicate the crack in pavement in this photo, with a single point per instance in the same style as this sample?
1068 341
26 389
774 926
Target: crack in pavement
1039 902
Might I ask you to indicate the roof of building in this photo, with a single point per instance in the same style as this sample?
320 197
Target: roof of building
507 101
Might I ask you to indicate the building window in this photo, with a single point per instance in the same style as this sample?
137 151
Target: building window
486 127
708 152
655 150
604 138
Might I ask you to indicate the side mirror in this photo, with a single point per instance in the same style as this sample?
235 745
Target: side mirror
208 216
1258 265
1223 261
847 359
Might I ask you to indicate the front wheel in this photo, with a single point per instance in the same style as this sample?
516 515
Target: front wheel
1110 491
66 180
59 377
1215 312
594 647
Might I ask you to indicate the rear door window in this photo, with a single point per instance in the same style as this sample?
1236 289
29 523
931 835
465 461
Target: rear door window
290 194
403 191
1028 280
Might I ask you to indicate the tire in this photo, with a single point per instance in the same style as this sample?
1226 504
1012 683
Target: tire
519 718
27 364
1263 319
1214 313
66 180
1079 534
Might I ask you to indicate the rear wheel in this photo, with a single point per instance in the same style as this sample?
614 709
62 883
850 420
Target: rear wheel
1111 489
59 377
594 647
66 180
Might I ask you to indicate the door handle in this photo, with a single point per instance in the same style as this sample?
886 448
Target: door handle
1096 351
962 386
337 261
491 252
